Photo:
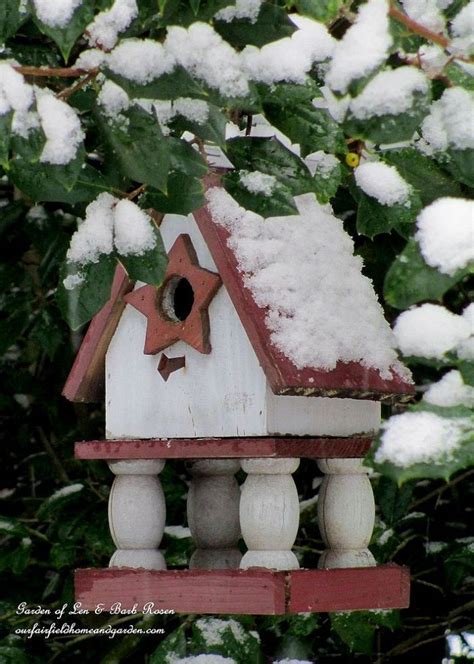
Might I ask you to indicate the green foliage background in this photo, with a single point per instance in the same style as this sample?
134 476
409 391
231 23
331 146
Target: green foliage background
44 539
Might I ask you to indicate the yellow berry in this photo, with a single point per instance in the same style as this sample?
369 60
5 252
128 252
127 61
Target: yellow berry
352 159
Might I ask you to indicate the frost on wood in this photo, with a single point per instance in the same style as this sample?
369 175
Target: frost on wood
282 259
62 128
446 234
449 123
430 331
107 25
420 437
383 183
363 48
390 92
450 391
56 13
257 182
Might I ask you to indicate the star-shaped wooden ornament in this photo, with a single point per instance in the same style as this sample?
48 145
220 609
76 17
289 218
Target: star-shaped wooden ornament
178 310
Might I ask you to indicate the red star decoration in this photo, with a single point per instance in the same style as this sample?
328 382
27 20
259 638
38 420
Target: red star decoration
163 330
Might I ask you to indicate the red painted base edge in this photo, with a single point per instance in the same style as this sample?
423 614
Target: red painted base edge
253 592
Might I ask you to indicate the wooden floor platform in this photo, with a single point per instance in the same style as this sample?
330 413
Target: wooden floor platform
255 591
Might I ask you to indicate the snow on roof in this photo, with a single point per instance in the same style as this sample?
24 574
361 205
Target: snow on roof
320 308
420 437
61 126
382 182
106 26
390 92
450 121
430 331
446 234
450 390
363 48
56 14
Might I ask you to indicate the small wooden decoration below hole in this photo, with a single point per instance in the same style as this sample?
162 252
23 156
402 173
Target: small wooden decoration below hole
167 365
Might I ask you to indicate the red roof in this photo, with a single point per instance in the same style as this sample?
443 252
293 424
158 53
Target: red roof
352 380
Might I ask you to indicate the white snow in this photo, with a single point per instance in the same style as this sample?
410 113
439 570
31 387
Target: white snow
258 183
204 54
91 58
446 234
72 281
140 60
61 126
390 92
432 58
15 94
382 182
105 28
322 163
113 99
363 48
194 110
282 258
249 9
66 491
425 12
94 237
435 547
429 331
462 29
56 13
451 120
24 121
450 391
465 350
6 525
212 630
420 437
134 230
178 532
291 58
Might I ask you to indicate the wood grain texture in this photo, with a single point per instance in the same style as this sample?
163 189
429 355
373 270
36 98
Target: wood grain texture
85 382
224 448
250 592
259 592
346 380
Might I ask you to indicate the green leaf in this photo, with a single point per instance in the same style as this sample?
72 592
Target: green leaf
47 182
271 25
63 555
389 128
213 129
184 158
393 501
321 10
31 147
428 180
313 128
11 17
458 75
173 645
461 165
466 369
5 133
182 12
459 564
138 145
280 202
234 641
327 183
184 195
177 83
355 630
410 280
81 303
374 218
65 37
270 156
150 266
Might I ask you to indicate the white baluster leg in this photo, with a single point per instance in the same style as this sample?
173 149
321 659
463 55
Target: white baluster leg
269 513
346 513
137 513
213 513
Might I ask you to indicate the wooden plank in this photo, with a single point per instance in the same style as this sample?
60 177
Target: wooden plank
324 590
224 448
349 379
256 592
86 379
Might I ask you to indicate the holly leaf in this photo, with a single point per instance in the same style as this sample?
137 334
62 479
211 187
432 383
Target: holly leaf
279 203
410 280
461 165
212 129
138 145
184 194
374 218
12 15
184 158
150 266
271 25
5 133
326 183
321 10
173 85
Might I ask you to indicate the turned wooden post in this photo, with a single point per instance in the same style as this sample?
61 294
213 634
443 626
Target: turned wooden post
346 513
269 513
213 514
137 513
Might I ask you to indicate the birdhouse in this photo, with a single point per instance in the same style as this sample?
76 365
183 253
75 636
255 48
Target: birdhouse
264 346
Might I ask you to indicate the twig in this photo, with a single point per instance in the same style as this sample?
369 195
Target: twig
443 488
58 72
136 192
67 92
417 28
61 472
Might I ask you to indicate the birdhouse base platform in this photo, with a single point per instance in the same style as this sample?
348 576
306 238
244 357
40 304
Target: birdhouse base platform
254 591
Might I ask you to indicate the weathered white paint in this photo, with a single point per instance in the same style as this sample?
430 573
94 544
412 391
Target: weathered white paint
137 514
269 513
222 394
213 513
346 513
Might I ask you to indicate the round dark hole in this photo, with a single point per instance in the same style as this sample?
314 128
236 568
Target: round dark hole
178 299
